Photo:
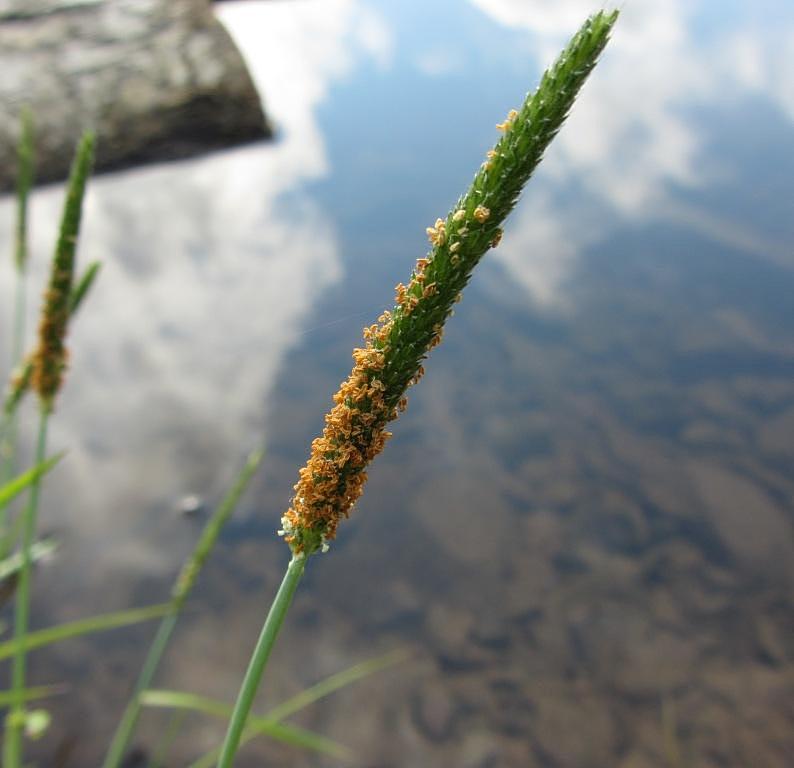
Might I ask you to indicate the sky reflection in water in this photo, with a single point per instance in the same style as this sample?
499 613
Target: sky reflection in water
584 519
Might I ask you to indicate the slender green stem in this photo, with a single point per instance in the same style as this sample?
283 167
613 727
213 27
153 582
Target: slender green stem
305 698
19 318
12 748
8 433
183 586
129 719
256 666
8 437
161 750
8 441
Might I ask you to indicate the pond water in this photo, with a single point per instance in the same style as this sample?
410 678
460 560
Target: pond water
582 530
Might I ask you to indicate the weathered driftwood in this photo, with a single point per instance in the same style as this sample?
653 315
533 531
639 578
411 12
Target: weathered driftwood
156 79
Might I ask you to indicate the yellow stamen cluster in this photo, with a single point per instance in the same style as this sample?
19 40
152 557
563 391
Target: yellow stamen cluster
490 155
511 116
354 434
438 233
481 213
355 429
50 358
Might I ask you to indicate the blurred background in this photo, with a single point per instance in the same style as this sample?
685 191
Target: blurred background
583 528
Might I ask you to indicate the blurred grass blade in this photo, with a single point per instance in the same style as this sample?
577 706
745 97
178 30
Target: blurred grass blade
209 536
18 386
324 688
155 697
11 564
183 585
72 629
32 694
25 173
8 431
334 683
84 285
297 737
160 752
13 488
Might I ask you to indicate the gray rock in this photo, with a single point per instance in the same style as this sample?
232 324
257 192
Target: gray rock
156 79
435 711
491 633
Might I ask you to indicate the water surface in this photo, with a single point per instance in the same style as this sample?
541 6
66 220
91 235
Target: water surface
582 529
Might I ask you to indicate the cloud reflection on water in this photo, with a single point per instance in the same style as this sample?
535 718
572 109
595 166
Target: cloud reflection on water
207 276
635 138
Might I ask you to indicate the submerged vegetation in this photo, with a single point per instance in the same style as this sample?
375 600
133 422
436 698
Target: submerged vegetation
375 393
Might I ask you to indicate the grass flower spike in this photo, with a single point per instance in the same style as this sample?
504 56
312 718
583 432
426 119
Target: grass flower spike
49 362
22 377
391 360
44 375
395 347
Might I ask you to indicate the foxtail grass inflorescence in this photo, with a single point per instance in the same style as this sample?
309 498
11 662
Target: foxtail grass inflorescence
391 359
49 360
22 377
46 375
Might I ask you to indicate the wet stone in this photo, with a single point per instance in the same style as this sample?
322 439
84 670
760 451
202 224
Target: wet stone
191 505
447 626
491 634
775 647
435 711
137 758
155 79
481 750
513 705
463 658
399 608
525 623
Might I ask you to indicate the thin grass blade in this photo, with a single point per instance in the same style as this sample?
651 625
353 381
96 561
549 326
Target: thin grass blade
26 162
183 585
297 737
160 752
12 564
12 489
72 629
32 694
334 683
209 536
322 689
83 286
